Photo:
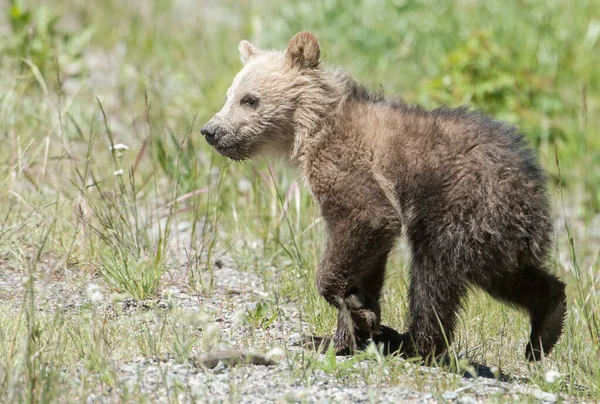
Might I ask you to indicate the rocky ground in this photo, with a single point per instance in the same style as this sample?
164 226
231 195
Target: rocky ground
253 364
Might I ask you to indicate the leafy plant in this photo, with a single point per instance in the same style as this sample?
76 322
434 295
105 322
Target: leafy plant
261 316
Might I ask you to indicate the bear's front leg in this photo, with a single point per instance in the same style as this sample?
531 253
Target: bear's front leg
358 319
350 277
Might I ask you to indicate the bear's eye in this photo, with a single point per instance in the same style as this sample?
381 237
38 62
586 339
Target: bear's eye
249 99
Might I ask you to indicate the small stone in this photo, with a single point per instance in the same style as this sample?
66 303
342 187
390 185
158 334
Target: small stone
295 339
468 400
220 368
450 395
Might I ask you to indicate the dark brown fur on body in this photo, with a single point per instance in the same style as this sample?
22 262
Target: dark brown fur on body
465 190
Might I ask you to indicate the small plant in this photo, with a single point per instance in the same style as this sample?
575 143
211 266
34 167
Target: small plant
184 328
130 261
149 335
137 277
134 260
261 316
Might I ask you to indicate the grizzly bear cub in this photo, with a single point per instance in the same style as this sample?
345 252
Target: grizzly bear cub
465 190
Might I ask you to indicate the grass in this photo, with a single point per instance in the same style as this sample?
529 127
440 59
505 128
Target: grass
78 79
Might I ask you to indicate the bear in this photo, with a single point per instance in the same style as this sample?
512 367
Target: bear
466 192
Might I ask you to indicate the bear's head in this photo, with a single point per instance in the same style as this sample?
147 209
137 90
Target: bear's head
271 99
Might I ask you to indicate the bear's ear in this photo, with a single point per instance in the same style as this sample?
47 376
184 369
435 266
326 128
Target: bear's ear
303 51
246 51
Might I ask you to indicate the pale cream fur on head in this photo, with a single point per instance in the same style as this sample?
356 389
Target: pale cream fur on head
294 93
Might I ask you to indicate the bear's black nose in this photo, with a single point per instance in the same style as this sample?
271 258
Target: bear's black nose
212 133
208 130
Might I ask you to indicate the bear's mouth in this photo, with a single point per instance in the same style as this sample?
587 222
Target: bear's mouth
232 151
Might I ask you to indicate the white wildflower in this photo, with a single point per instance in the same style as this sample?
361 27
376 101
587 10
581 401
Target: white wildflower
96 297
119 146
551 376
244 185
94 293
119 172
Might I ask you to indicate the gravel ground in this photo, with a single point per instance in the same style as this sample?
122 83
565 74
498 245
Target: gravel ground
273 384
163 379
234 293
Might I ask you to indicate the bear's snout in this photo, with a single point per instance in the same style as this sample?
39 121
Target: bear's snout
212 133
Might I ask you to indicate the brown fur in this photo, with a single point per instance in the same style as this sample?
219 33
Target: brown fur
465 190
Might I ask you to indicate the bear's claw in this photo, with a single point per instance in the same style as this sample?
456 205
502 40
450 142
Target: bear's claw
391 340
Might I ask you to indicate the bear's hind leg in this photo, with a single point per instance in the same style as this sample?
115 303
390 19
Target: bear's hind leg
435 296
548 318
542 295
